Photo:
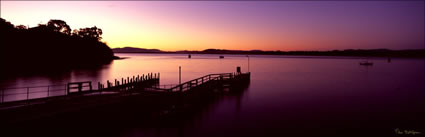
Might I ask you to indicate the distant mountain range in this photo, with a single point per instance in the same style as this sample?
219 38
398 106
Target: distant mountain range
412 53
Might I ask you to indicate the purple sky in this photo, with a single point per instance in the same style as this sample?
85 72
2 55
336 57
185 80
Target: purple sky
247 25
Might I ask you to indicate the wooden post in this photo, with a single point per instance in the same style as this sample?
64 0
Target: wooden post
28 92
80 86
98 86
107 83
2 96
90 86
180 75
248 63
158 75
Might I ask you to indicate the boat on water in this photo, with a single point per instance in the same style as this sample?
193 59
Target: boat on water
366 63
221 57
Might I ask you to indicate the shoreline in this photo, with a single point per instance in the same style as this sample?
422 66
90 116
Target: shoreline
287 55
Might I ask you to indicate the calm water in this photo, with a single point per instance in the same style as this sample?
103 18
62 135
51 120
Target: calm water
287 95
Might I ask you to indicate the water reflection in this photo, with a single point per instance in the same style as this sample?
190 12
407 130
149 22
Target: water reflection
56 77
287 96
52 83
189 122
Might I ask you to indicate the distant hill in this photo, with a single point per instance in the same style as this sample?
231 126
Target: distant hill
135 50
411 53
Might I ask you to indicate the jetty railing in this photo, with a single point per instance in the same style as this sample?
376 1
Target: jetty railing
39 92
195 82
26 93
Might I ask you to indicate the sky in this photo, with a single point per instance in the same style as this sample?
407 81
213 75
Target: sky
236 25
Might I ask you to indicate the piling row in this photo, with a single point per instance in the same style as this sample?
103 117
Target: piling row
129 83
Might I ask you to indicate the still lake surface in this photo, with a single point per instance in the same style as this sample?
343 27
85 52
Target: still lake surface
287 95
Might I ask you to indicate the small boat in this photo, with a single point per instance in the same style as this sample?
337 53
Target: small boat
366 63
189 56
221 57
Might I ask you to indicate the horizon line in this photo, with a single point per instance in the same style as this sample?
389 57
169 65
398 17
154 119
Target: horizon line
271 50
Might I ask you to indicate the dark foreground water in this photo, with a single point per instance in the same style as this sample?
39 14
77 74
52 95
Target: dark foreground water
287 96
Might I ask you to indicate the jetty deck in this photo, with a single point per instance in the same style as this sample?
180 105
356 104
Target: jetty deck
27 96
81 95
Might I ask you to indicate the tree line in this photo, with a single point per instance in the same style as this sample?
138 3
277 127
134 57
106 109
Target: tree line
52 45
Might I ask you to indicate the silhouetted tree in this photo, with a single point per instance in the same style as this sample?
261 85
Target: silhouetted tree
91 33
21 27
50 46
74 32
59 26
5 24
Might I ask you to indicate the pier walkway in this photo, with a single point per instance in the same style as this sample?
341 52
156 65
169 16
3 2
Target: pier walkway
78 94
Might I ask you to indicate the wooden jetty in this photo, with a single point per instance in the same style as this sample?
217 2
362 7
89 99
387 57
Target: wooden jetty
143 89
211 81
44 94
